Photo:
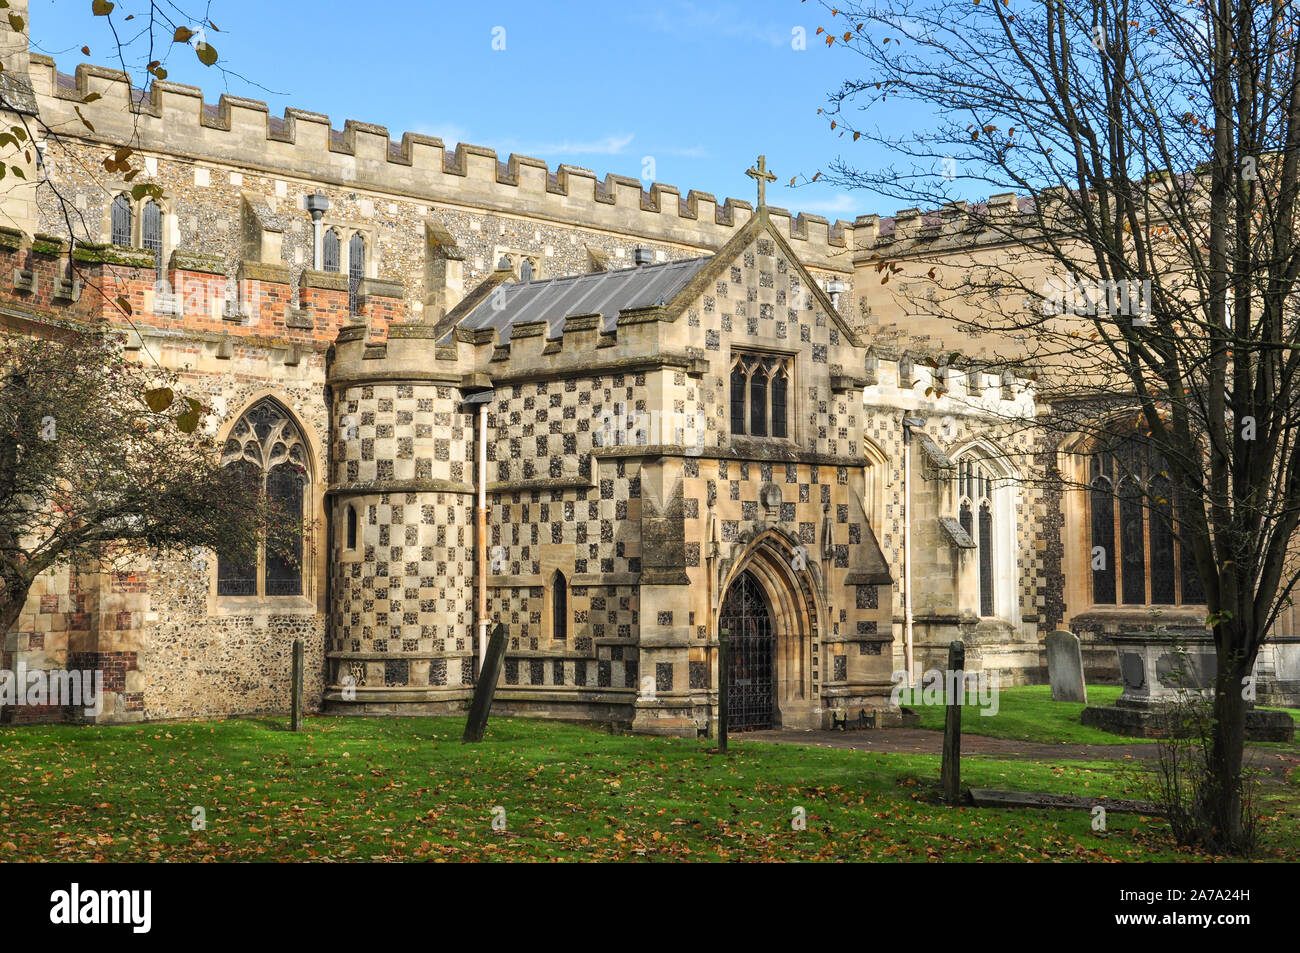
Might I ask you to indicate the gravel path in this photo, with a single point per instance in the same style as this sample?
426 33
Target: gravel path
924 741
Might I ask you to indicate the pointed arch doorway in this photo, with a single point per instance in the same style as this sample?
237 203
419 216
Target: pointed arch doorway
751 639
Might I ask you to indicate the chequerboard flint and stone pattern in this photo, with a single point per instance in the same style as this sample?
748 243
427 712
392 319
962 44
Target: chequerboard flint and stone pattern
403 597
611 467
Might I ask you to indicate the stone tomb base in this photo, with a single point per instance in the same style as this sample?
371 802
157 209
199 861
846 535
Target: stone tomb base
1153 721
1162 668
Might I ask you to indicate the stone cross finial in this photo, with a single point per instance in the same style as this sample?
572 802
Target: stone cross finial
763 176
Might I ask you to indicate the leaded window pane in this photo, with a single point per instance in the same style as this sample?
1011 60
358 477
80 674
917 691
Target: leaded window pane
356 270
758 403
1133 569
284 488
1162 542
1102 554
779 426
120 220
738 399
986 560
237 573
330 251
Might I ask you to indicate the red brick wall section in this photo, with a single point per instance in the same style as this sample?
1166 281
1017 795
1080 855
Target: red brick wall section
202 295
130 582
328 308
115 665
379 312
38 714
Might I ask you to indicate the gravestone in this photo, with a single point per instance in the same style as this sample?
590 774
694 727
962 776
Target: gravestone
950 770
1065 667
493 661
295 688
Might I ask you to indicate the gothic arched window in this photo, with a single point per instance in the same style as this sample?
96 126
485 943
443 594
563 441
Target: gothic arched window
269 448
559 607
356 269
1135 554
151 234
120 221
351 535
329 250
525 270
760 388
975 513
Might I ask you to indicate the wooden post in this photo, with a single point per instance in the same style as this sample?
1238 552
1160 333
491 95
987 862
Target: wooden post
954 677
479 709
724 687
295 688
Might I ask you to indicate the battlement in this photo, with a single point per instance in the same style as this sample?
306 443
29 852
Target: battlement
948 228
478 358
174 120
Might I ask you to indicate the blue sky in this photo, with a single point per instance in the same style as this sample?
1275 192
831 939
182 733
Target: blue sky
700 87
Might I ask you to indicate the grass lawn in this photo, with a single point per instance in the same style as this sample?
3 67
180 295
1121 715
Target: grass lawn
1027 713
407 789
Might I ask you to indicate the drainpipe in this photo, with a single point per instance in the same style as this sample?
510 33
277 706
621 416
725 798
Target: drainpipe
908 424
711 567
482 399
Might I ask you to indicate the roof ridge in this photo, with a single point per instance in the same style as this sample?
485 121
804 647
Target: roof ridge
614 271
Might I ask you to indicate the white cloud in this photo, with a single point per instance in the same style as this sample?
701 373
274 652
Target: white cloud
731 22
604 146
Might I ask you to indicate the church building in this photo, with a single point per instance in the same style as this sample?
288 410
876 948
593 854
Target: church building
615 418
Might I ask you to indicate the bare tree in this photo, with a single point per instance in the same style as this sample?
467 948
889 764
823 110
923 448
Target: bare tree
1151 267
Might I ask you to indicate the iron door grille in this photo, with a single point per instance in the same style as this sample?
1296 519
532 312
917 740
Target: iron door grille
752 652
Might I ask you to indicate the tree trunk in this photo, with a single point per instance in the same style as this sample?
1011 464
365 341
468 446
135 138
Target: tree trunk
13 596
1221 807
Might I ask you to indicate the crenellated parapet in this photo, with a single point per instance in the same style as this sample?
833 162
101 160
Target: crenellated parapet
174 120
964 382
955 227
